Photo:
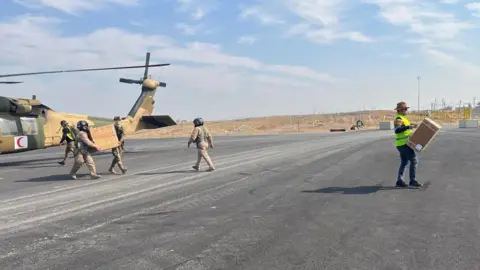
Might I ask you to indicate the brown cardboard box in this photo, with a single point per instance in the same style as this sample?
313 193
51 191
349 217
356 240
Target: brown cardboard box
423 135
105 137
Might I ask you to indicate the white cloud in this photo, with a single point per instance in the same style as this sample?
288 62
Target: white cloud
435 28
474 7
463 68
198 9
317 20
258 13
247 40
75 6
188 29
402 55
449 2
33 43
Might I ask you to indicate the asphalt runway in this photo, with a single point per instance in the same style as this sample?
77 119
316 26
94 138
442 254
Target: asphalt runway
305 201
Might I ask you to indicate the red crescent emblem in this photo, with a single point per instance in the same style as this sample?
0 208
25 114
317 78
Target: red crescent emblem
18 142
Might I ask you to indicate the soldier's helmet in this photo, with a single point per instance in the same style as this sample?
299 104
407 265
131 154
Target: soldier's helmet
82 125
116 118
198 122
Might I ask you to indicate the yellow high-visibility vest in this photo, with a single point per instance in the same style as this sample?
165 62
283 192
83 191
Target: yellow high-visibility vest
402 138
70 134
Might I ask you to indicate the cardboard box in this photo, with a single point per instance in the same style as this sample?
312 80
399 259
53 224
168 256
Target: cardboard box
105 137
423 135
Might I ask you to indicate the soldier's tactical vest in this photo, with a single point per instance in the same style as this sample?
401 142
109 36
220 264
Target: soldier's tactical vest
80 146
201 137
119 131
402 138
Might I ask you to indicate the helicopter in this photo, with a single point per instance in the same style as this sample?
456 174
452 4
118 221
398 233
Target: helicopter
28 124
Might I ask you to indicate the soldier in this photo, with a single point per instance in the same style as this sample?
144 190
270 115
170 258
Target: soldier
83 144
69 134
202 137
118 151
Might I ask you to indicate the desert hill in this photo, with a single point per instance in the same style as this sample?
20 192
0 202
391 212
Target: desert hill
294 123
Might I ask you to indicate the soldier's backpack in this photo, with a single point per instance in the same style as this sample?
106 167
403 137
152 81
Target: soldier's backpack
74 132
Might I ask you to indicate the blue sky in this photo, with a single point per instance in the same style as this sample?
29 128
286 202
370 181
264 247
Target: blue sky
235 59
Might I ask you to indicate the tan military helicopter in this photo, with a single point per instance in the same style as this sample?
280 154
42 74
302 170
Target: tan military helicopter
27 124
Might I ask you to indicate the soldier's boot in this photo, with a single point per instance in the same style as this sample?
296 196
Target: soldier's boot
111 170
73 172
78 163
195 167
64 159
210 169
95 176
122 167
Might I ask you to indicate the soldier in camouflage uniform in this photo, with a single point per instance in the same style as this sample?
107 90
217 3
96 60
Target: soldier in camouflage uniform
83 145
69 134
118 151
202 137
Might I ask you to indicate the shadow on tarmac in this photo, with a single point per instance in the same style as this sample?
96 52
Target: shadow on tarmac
359 190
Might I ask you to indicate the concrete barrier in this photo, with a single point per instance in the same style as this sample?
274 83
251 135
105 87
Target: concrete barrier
470 123
386 125
338 130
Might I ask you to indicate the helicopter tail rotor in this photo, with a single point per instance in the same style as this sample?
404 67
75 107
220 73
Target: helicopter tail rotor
146 81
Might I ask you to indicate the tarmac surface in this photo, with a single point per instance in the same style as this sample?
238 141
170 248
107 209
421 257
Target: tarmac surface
306 201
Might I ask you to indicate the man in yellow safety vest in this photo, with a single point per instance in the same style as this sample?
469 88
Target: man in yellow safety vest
69 135
403 131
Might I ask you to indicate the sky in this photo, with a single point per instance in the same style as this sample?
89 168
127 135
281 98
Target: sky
245 58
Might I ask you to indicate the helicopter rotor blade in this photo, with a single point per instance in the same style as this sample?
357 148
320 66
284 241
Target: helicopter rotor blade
8 82
80 70
130 81
147 61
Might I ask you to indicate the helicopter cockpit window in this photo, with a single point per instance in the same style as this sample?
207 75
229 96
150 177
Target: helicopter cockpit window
29 125
8 126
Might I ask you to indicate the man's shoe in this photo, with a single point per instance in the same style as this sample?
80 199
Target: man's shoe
195 168
73 176
401 184
93 177
61 163
210 169
415 184
124 170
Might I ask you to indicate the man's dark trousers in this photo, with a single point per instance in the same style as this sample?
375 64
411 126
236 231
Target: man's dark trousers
407 155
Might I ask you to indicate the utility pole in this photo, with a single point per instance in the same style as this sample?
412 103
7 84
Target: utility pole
474 104
418 78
